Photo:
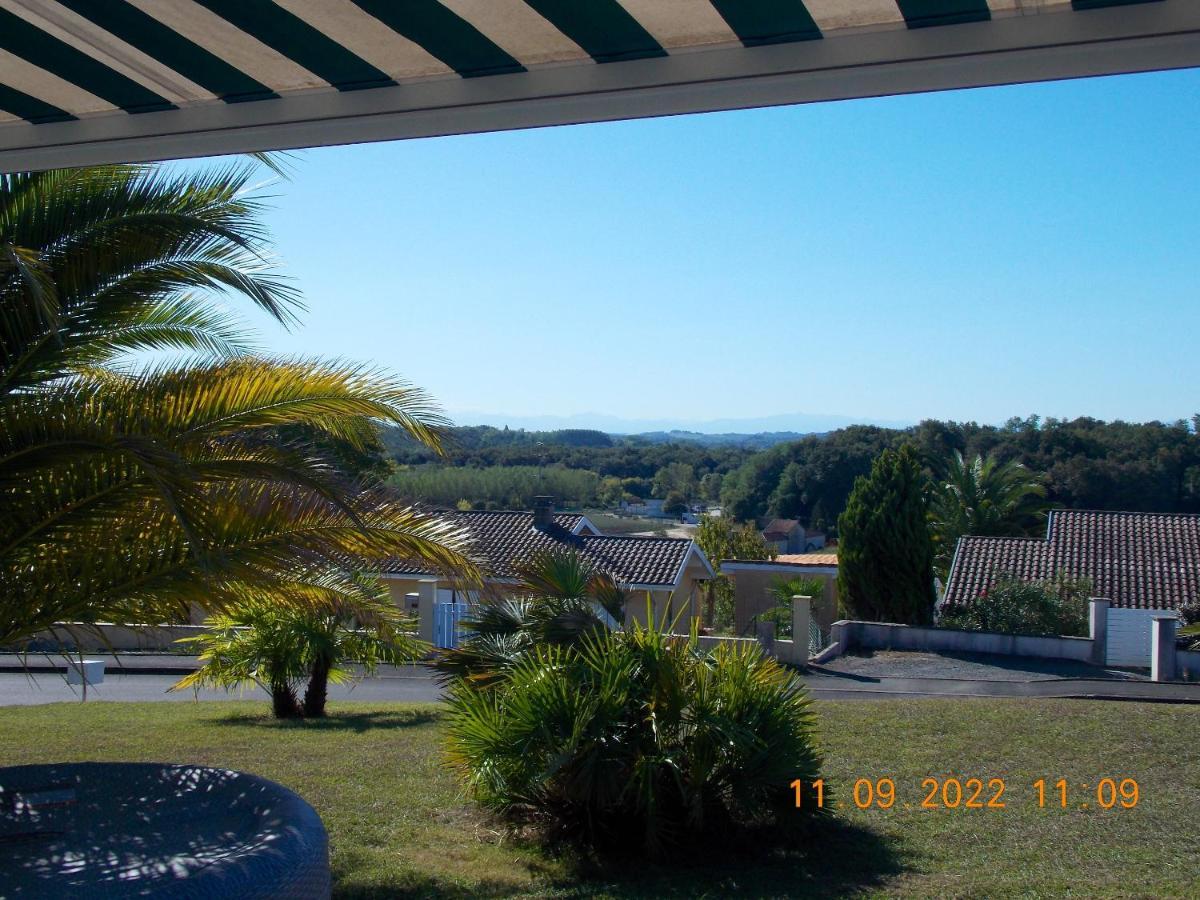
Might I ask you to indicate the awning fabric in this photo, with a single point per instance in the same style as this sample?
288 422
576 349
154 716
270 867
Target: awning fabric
76 73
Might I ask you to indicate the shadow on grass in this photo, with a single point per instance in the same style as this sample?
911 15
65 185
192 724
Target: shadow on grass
829 859
358 722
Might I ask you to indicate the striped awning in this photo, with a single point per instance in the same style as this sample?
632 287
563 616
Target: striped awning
97 80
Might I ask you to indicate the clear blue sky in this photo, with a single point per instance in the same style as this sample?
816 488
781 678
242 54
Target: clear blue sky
968 255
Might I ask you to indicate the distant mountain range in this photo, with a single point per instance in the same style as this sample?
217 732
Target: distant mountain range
785 426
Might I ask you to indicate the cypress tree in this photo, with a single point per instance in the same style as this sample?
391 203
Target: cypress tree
885 554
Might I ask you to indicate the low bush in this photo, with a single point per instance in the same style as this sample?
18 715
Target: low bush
1056 606
1189 634
636 740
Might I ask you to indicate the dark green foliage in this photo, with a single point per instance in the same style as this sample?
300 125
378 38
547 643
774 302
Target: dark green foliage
793 480
1086 464
885 554
1011 606
637 740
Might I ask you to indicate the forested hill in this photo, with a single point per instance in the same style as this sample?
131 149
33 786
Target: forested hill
1086 464
467 439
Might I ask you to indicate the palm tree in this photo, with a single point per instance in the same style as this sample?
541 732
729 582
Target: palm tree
782 590
556 602
982 497
279 647
133 490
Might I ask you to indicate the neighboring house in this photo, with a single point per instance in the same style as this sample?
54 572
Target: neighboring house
670 570
789 536
1144 563
651 509
753 578
1136 560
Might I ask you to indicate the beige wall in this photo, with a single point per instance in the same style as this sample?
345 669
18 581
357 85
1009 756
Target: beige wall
752 593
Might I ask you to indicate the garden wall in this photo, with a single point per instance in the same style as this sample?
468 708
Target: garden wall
848 635
105 637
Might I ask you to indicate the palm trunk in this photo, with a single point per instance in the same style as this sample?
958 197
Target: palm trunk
317 691
283 701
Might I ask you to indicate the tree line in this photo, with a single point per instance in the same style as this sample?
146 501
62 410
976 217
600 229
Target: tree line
1083 463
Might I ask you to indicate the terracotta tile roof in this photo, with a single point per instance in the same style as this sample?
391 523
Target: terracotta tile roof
1138 560
807 559
503 539
780 528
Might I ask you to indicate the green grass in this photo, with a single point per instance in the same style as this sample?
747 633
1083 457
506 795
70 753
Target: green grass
399 828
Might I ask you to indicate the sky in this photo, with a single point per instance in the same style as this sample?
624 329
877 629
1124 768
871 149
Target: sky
967 255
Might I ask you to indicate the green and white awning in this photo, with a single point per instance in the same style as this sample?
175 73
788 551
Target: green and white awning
92 80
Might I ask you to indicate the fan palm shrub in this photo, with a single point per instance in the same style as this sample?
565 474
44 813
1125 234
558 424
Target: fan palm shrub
636 740
133 490
781 591
281 647
558 601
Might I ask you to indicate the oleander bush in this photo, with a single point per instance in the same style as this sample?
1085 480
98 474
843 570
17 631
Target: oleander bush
636 741
1056 606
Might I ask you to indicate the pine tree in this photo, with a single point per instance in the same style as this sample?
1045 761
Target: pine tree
885 554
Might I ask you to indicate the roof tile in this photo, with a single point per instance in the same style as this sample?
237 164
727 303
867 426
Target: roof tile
1137 560
501 540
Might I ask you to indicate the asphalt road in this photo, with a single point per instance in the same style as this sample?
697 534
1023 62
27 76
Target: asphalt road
418 686
27 690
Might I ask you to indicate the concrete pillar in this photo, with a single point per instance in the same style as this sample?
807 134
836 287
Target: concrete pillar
1162 648
765 632
1098 629
801 617
426 597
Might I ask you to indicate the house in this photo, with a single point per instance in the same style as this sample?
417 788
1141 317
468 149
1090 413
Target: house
753 579
1144 564
651 509
669 570
1137 560
789 536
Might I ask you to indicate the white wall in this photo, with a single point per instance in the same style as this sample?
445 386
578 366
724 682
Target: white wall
1129 636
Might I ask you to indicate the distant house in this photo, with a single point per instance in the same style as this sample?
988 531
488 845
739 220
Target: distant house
651 509
1145 564
753 579
669 570
1136 560
789 536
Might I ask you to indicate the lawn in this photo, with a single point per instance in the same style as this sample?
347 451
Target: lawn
399 828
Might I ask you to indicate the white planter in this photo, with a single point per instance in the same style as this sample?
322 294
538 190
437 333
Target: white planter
92 669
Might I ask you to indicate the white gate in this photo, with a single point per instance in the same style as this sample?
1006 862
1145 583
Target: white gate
1129 636
447 633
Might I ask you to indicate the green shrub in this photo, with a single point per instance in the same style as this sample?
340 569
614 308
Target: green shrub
1011 606
1189 634
636 740
782 591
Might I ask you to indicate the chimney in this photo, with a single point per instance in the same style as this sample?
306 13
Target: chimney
543 512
